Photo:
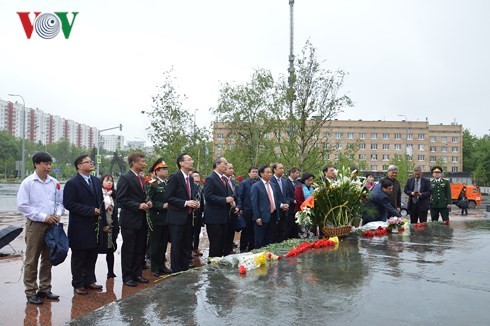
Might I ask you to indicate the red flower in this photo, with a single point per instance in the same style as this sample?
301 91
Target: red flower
242 269
58 186
239 179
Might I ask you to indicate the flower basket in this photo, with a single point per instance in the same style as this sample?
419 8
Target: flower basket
338 231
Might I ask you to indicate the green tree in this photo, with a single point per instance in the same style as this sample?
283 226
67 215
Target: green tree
10 151
469 143
172 129
405 169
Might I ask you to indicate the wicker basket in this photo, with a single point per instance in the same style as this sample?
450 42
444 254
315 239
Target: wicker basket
339 231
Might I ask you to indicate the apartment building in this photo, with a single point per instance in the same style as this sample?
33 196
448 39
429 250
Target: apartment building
381 141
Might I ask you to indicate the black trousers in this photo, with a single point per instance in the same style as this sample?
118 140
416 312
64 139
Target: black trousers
83 267
247 234
230 234
417 212
181 246
196 229
159 238
132 252
282 227
216 236
264 234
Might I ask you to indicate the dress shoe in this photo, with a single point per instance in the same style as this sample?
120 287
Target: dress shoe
81 291
156 274
110 275
34 299
94 286
141 279
166 270
48 295
130 283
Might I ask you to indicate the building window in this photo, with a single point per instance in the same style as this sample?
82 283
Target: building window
421 136
374 146
362 146
455 139
409 136
350 135
398 157
386 135
398 136
421 157
444 139
362 135
455 149
444 149
385 167
454 159
326 135
386 146
432 158
433 148
337 157
421 147
374 157
362 157
386 157
338 135
374 135
374 167
338 146
454 169
444 159
432 139
220 136
398 147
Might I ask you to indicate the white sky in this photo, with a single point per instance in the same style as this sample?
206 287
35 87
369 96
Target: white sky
418 58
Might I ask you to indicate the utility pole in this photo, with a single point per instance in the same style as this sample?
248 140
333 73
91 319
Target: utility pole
292 77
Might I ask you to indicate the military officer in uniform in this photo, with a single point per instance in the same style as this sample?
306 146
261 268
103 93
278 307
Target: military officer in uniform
159 230
440 201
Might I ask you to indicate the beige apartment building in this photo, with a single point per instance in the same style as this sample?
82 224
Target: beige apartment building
381 141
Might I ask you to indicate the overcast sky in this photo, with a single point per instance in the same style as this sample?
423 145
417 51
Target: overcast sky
418 58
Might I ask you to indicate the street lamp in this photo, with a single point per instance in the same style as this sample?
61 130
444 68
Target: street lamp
22 169
406 134
98 160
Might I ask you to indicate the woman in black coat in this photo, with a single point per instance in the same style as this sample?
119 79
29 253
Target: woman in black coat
108 235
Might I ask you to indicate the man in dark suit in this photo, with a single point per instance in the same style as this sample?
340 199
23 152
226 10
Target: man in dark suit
244 204
82 197
282 225
233 216
378 205
292 182
181 198
219 205
418 190
134 204
395 196
197 215
266 205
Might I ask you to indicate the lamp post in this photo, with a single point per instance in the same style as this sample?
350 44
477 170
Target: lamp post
97 159
22 169
406 134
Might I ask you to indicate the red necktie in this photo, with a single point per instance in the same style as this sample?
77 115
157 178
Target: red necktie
271 200
223 180
141 182
188 184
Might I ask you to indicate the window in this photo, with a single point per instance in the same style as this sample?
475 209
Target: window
374 157
454 169
337 157
374 135
326 135
421 157
454 159
455 139
362 157
362 146
432 139
433 148
386 157
421 147
386 146
432 158
374 167
362 135
374 146
398 157
385 167
454 149
386 135
444 159
220 146
338 146
338 135
409 136
421 136
444 139
350 135
220 136
398 147
444 149
398 136
327 145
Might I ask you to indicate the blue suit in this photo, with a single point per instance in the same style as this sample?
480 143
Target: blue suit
264 234
244 203
379 206
283 224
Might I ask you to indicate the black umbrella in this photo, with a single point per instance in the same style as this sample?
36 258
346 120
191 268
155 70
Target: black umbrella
9 233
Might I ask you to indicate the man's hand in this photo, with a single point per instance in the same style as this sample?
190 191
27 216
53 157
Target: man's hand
144 206
259 221
96 211
165 205
192 203
52 219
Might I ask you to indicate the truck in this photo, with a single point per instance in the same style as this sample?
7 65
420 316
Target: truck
472 193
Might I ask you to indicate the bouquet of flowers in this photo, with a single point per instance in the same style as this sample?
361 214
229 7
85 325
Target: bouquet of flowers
334 203
396 224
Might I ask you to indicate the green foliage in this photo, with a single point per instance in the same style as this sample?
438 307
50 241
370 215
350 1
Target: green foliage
405 169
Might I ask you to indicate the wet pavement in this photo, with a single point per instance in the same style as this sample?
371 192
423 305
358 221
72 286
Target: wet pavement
437 276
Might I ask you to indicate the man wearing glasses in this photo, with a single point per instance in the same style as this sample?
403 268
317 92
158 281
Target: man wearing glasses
83 199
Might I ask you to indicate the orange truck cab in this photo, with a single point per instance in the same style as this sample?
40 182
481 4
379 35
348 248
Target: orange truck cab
472 193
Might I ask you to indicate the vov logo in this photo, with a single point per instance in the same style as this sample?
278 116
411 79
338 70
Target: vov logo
47 25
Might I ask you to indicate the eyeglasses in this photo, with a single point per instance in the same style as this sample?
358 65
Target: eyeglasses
89 162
